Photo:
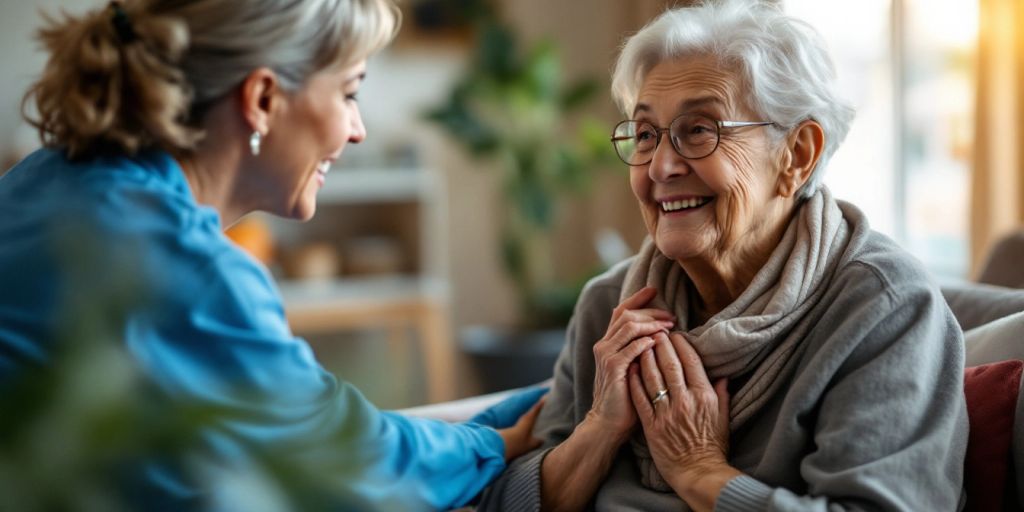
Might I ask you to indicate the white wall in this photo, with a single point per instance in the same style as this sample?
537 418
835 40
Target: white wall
21 61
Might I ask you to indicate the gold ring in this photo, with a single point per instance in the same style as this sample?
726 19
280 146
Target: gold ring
659 397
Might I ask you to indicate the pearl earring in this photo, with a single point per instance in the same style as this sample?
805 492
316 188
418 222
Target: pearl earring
254 142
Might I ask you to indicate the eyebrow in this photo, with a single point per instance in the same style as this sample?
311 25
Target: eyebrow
690 104
360 77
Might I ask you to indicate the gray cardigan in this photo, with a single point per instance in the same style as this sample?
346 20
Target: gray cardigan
874 417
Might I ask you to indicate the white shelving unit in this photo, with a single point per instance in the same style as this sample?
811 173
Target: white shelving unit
378 189
417 300
376 185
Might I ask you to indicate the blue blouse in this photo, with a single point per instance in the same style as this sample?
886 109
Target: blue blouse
206 325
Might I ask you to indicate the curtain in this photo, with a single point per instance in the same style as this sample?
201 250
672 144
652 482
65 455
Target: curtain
997 188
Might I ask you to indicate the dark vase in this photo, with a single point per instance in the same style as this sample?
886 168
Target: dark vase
503 358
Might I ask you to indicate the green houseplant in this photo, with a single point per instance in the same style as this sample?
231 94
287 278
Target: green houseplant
512 109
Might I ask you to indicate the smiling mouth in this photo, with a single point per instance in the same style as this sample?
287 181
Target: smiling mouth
684 204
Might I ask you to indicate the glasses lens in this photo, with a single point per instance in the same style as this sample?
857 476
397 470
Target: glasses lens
694 136
635 142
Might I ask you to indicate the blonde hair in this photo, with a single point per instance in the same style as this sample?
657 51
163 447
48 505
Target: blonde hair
105 91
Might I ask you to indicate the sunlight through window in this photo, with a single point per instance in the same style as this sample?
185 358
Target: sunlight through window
908 67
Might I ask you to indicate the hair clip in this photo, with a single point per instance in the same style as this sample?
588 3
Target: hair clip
123 25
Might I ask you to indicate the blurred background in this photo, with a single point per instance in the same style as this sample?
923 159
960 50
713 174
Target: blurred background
448 248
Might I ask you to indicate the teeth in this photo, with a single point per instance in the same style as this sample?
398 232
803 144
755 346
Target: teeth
683 204
323 167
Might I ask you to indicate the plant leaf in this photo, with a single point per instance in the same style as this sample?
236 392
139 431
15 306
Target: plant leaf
578 94
496 55
542 73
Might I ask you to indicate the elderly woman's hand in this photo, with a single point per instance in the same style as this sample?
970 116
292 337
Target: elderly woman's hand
629 334
685 419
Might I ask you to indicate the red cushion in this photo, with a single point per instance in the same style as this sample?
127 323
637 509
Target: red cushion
991 391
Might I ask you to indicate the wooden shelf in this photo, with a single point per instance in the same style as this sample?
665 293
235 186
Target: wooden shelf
393 303
407 205
374 185
305 299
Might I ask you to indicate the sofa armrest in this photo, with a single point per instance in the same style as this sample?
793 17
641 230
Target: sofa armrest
457 410
462 410
1003 266
976 304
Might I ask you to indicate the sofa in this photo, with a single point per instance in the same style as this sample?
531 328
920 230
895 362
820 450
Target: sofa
1003 266
992 318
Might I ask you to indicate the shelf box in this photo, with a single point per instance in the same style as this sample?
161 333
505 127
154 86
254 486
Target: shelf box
368 185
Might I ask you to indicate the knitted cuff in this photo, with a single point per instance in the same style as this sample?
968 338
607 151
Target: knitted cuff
521 484
743 493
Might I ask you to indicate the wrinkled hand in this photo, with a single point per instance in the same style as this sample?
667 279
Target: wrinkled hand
687 432
506 413
629 334
519 437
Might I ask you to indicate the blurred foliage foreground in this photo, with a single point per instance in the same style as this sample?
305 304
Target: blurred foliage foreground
83 429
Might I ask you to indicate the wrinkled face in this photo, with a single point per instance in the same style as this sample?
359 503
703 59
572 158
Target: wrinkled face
708 207
306 136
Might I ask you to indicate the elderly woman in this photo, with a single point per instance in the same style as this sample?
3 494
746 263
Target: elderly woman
765 350
166 120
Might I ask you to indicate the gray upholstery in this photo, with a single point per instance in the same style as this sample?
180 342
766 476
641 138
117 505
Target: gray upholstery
999 340
1005 264
976 304
983 311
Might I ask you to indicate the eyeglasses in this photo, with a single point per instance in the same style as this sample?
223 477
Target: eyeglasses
693 136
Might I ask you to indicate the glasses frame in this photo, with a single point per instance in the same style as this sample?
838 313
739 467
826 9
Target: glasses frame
719 126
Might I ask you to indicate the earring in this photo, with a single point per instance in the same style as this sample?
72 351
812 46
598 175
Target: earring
254 142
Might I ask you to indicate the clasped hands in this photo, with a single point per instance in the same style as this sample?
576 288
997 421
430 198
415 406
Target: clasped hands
649 375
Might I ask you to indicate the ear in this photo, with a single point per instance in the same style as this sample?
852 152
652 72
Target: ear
801 154
259 98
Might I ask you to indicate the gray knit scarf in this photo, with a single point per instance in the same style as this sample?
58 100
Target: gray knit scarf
754 335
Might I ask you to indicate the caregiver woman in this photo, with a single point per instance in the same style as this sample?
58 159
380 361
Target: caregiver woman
164 121
810 363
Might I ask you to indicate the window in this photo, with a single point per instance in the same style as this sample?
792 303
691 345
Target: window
908 67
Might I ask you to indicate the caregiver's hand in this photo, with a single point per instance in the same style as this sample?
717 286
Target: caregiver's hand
506 413
514 418
687 429
519 437
629 334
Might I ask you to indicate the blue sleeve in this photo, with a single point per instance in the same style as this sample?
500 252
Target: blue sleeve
506 413
226 344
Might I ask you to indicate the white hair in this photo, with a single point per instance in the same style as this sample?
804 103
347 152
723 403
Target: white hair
788 72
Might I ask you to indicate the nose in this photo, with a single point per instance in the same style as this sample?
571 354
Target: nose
666 163
358 132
